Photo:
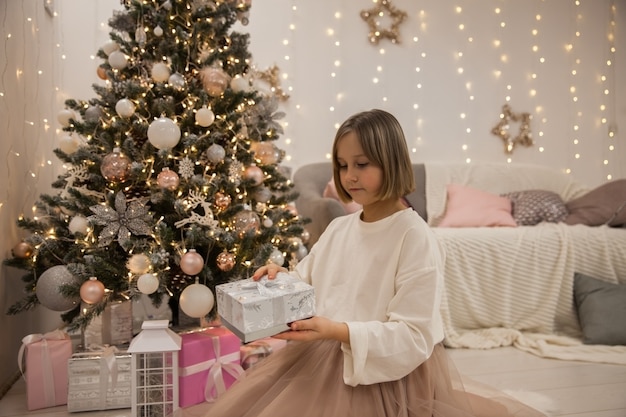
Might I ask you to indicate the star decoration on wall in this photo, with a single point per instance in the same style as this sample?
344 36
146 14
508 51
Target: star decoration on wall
383 9
270 76
502 129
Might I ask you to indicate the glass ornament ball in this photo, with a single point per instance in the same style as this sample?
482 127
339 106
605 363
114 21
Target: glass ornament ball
110 46
196 300
163 133
65 116
214 80
125 107
68 143
177 81
102 73
225 261
215 153
277 257
245 221
115 166
305 236
267 222
47 289
168 179
78 224
147 283
301 252
222 201
239 84
92 291
160 72
118 60
205 117
191 263
138 263
255 174
158 31
22 250
93 114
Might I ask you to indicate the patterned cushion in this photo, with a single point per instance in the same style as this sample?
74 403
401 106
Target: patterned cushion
531 207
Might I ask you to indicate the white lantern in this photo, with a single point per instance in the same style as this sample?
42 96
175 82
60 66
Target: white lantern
154 370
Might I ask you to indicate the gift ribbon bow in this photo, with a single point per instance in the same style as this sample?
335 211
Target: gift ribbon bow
46 362
267 287
215 385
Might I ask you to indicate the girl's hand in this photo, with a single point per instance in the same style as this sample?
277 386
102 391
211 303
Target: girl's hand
270 270
316 328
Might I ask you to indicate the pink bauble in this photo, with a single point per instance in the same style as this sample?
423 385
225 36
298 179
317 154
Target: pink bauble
115 166
222 201
168 179
255 174
214 80
92 291
225 261
265 153
191 263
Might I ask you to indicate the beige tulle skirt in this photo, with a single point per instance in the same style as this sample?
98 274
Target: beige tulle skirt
306 380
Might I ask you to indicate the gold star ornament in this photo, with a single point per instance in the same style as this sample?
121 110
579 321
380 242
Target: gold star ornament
502 129
383 10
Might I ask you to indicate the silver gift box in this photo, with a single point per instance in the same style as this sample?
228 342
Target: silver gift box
98 381
256 309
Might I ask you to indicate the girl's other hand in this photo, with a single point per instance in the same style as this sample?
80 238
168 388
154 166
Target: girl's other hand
316 328
270 270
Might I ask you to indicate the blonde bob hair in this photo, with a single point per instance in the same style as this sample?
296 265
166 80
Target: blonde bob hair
384 144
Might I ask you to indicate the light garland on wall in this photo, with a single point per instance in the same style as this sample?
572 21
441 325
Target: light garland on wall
609 90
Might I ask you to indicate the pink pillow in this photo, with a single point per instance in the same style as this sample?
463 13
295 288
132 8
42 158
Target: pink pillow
331 192
469 207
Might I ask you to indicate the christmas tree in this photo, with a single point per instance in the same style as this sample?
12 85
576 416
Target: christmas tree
173 182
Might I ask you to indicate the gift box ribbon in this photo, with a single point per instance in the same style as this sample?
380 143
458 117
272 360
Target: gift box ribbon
46 371
109 369
269 288
215 385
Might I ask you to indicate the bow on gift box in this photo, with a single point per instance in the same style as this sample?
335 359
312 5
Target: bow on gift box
268 288
47 371
108 369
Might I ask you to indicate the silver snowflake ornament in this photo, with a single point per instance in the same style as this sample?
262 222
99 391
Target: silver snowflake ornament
121 222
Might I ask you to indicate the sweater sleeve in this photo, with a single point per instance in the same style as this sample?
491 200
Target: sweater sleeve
389 350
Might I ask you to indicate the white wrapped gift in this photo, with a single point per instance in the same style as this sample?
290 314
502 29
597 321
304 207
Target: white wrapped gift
256 309
99 380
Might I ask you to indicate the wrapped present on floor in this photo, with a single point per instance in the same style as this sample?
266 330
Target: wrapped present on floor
113 327
209 363
257 309
42 359
253 352
99 379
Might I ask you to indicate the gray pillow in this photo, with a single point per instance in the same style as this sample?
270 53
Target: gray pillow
531 207
601 308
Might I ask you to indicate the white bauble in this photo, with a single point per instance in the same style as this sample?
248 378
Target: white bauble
158 31
65 116
147 283
110 46
239 84
125 107
205 117
69 143
138 264
196 300
163 133
160 72
78 224
118 60
277 257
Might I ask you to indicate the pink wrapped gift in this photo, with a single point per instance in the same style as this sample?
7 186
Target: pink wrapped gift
46 368
253 352
208 364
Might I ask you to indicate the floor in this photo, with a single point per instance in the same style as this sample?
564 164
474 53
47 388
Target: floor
566 389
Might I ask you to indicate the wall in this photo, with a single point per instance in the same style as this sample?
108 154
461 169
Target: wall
456 64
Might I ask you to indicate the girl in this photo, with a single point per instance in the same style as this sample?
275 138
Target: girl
375 349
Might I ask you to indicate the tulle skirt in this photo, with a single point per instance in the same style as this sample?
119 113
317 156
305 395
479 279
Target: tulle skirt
305 379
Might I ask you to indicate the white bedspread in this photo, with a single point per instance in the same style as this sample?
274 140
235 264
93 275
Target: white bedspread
514 286
502 283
